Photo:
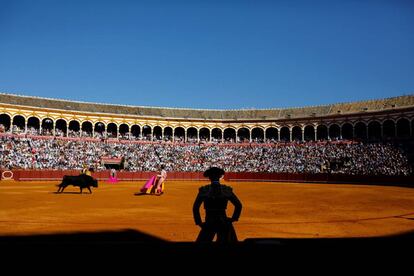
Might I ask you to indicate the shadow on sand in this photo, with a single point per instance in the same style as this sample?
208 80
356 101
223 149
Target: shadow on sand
73 193
146 194
133 244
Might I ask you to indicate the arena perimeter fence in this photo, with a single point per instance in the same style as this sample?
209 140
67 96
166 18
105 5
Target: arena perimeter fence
54 175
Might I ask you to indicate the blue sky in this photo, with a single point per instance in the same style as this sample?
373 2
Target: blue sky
208 54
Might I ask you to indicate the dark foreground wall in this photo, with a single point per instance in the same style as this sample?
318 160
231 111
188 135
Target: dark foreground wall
31 175
132 250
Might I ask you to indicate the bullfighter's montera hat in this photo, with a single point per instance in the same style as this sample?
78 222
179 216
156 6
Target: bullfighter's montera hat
214 172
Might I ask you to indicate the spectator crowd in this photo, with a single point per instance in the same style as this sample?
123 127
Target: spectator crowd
352 158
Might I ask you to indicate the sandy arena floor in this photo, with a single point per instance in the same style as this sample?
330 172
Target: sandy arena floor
270 210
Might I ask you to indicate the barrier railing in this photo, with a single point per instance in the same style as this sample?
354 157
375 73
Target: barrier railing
46 175
321 178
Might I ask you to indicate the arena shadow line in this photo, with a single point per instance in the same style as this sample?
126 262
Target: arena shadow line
99 244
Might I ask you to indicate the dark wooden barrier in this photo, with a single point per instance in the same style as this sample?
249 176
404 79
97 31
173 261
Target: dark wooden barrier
321 178
31 175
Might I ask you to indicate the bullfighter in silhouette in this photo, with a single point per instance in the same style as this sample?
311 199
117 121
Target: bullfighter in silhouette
215 197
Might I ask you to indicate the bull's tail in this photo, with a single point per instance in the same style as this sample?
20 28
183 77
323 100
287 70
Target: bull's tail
61 183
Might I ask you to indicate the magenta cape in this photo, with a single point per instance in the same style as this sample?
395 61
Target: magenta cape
149 184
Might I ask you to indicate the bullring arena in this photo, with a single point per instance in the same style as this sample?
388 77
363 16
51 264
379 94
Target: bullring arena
270 210
305 199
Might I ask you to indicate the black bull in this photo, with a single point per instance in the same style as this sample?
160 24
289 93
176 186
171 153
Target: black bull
82 181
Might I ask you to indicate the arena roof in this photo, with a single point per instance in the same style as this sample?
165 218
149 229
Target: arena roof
404 101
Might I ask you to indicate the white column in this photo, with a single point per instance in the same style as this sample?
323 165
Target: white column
329 133
11 125
303 134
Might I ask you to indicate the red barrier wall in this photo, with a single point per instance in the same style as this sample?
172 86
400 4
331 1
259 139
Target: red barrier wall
321 178
30 175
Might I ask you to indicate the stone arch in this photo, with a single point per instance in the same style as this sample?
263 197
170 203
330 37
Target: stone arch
61 127
179 134
334 131
192 134
360 130
388 128
147 132
243 135
285 134
204 134
403 128
33 125
297 133
216 134
374 131
272 134
74 128
135 131
258 135
168 133
5 122
322 132
86 128
74 125
157 133
112 130
99 129
309 133
347 131
124 131
229 135
19 123
47 126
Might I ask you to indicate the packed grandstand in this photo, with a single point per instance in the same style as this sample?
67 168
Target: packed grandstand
363 138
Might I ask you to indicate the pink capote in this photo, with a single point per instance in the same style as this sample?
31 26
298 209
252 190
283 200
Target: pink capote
149 184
